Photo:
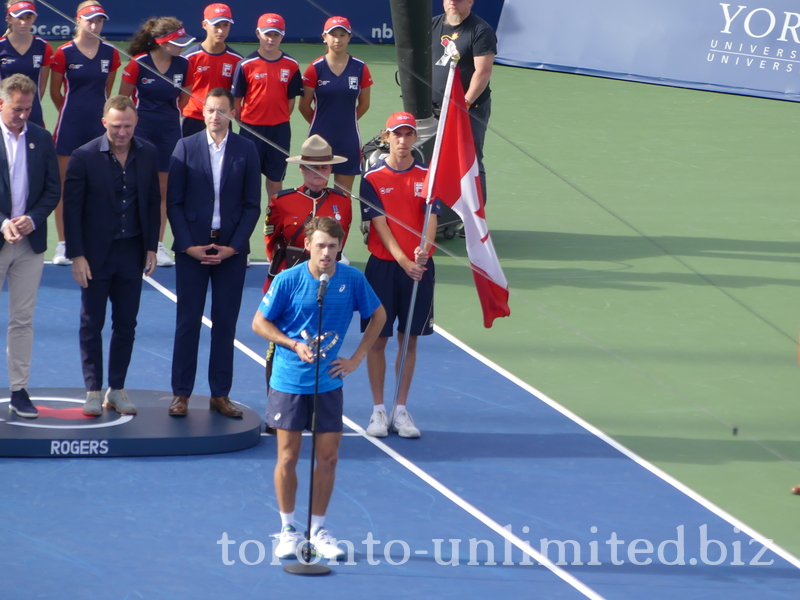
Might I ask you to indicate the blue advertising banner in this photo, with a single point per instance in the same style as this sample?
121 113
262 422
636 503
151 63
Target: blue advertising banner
371 20
744 48
304 20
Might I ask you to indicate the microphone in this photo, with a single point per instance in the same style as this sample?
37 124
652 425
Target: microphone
323 285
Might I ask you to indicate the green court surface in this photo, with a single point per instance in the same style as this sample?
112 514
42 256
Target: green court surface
650 239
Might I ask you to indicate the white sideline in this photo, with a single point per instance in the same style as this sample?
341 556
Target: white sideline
705 502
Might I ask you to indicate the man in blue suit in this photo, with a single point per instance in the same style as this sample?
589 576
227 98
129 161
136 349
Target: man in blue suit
213 204
111 221
29 191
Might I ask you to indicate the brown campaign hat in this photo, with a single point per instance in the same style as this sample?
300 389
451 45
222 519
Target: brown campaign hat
316 151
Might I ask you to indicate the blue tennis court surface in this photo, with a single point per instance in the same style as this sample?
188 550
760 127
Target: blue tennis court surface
492 455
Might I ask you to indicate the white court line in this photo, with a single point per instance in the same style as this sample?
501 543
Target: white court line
705 502
427 478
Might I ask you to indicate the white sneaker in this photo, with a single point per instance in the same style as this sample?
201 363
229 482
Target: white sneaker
288 541
344 260
163 259
325 546
403 424
60 257
378 424
248 261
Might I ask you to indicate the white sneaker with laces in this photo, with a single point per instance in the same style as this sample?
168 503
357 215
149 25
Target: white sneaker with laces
325 546
60 257
378 424
403 424
288 541
163 259
344 260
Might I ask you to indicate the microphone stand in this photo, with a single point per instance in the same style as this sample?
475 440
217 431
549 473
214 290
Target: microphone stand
305 566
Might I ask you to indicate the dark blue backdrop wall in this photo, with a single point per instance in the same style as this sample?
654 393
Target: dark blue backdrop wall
371 20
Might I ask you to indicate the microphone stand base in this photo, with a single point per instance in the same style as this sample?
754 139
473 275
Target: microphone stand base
301 568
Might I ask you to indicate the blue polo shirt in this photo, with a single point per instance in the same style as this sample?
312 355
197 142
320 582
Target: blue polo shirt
291 304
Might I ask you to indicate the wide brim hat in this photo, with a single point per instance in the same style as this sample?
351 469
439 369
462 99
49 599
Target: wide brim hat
316 151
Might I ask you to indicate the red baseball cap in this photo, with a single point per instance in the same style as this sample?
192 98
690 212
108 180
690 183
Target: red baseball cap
18 9
401 119
271 22
179 38
335 22
214 13
92 11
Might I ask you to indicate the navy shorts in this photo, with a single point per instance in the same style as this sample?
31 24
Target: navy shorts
293 411
164 136
393 287
272 160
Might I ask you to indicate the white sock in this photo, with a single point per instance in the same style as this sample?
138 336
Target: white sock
317 521
287 519
379 408
399 410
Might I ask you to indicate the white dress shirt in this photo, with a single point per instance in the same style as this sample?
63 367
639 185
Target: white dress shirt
216 154
17 157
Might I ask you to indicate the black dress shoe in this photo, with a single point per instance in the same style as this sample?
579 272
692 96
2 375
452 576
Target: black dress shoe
222 404
179 406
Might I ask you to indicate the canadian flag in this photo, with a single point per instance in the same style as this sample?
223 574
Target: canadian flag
453 179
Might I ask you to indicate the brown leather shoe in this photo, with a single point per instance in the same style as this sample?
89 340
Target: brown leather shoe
225 406
179 406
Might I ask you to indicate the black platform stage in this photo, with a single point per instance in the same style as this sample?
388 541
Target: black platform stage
62 430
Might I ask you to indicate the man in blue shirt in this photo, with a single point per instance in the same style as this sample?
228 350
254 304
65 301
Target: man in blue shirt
288 317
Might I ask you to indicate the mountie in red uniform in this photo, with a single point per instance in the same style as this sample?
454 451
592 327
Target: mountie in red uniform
287 214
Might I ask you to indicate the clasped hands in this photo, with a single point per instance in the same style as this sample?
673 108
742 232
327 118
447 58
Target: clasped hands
17 228
210 254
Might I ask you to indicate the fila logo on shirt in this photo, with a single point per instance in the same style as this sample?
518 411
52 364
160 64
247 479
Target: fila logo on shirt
177 79
104 65
418 188
227 70
37 61
353 82
284 75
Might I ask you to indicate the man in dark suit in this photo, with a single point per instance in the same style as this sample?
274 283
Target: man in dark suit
29 191
111 220
213 204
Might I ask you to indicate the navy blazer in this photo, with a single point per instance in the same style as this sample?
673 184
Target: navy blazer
89 217
44 184
190 193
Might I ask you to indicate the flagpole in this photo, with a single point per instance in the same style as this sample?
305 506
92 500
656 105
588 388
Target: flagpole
423 237
409 318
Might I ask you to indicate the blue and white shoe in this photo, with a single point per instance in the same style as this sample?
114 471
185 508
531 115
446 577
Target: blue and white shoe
289 541
21 404
325 546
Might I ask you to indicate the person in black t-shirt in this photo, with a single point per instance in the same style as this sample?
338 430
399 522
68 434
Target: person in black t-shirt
477 44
